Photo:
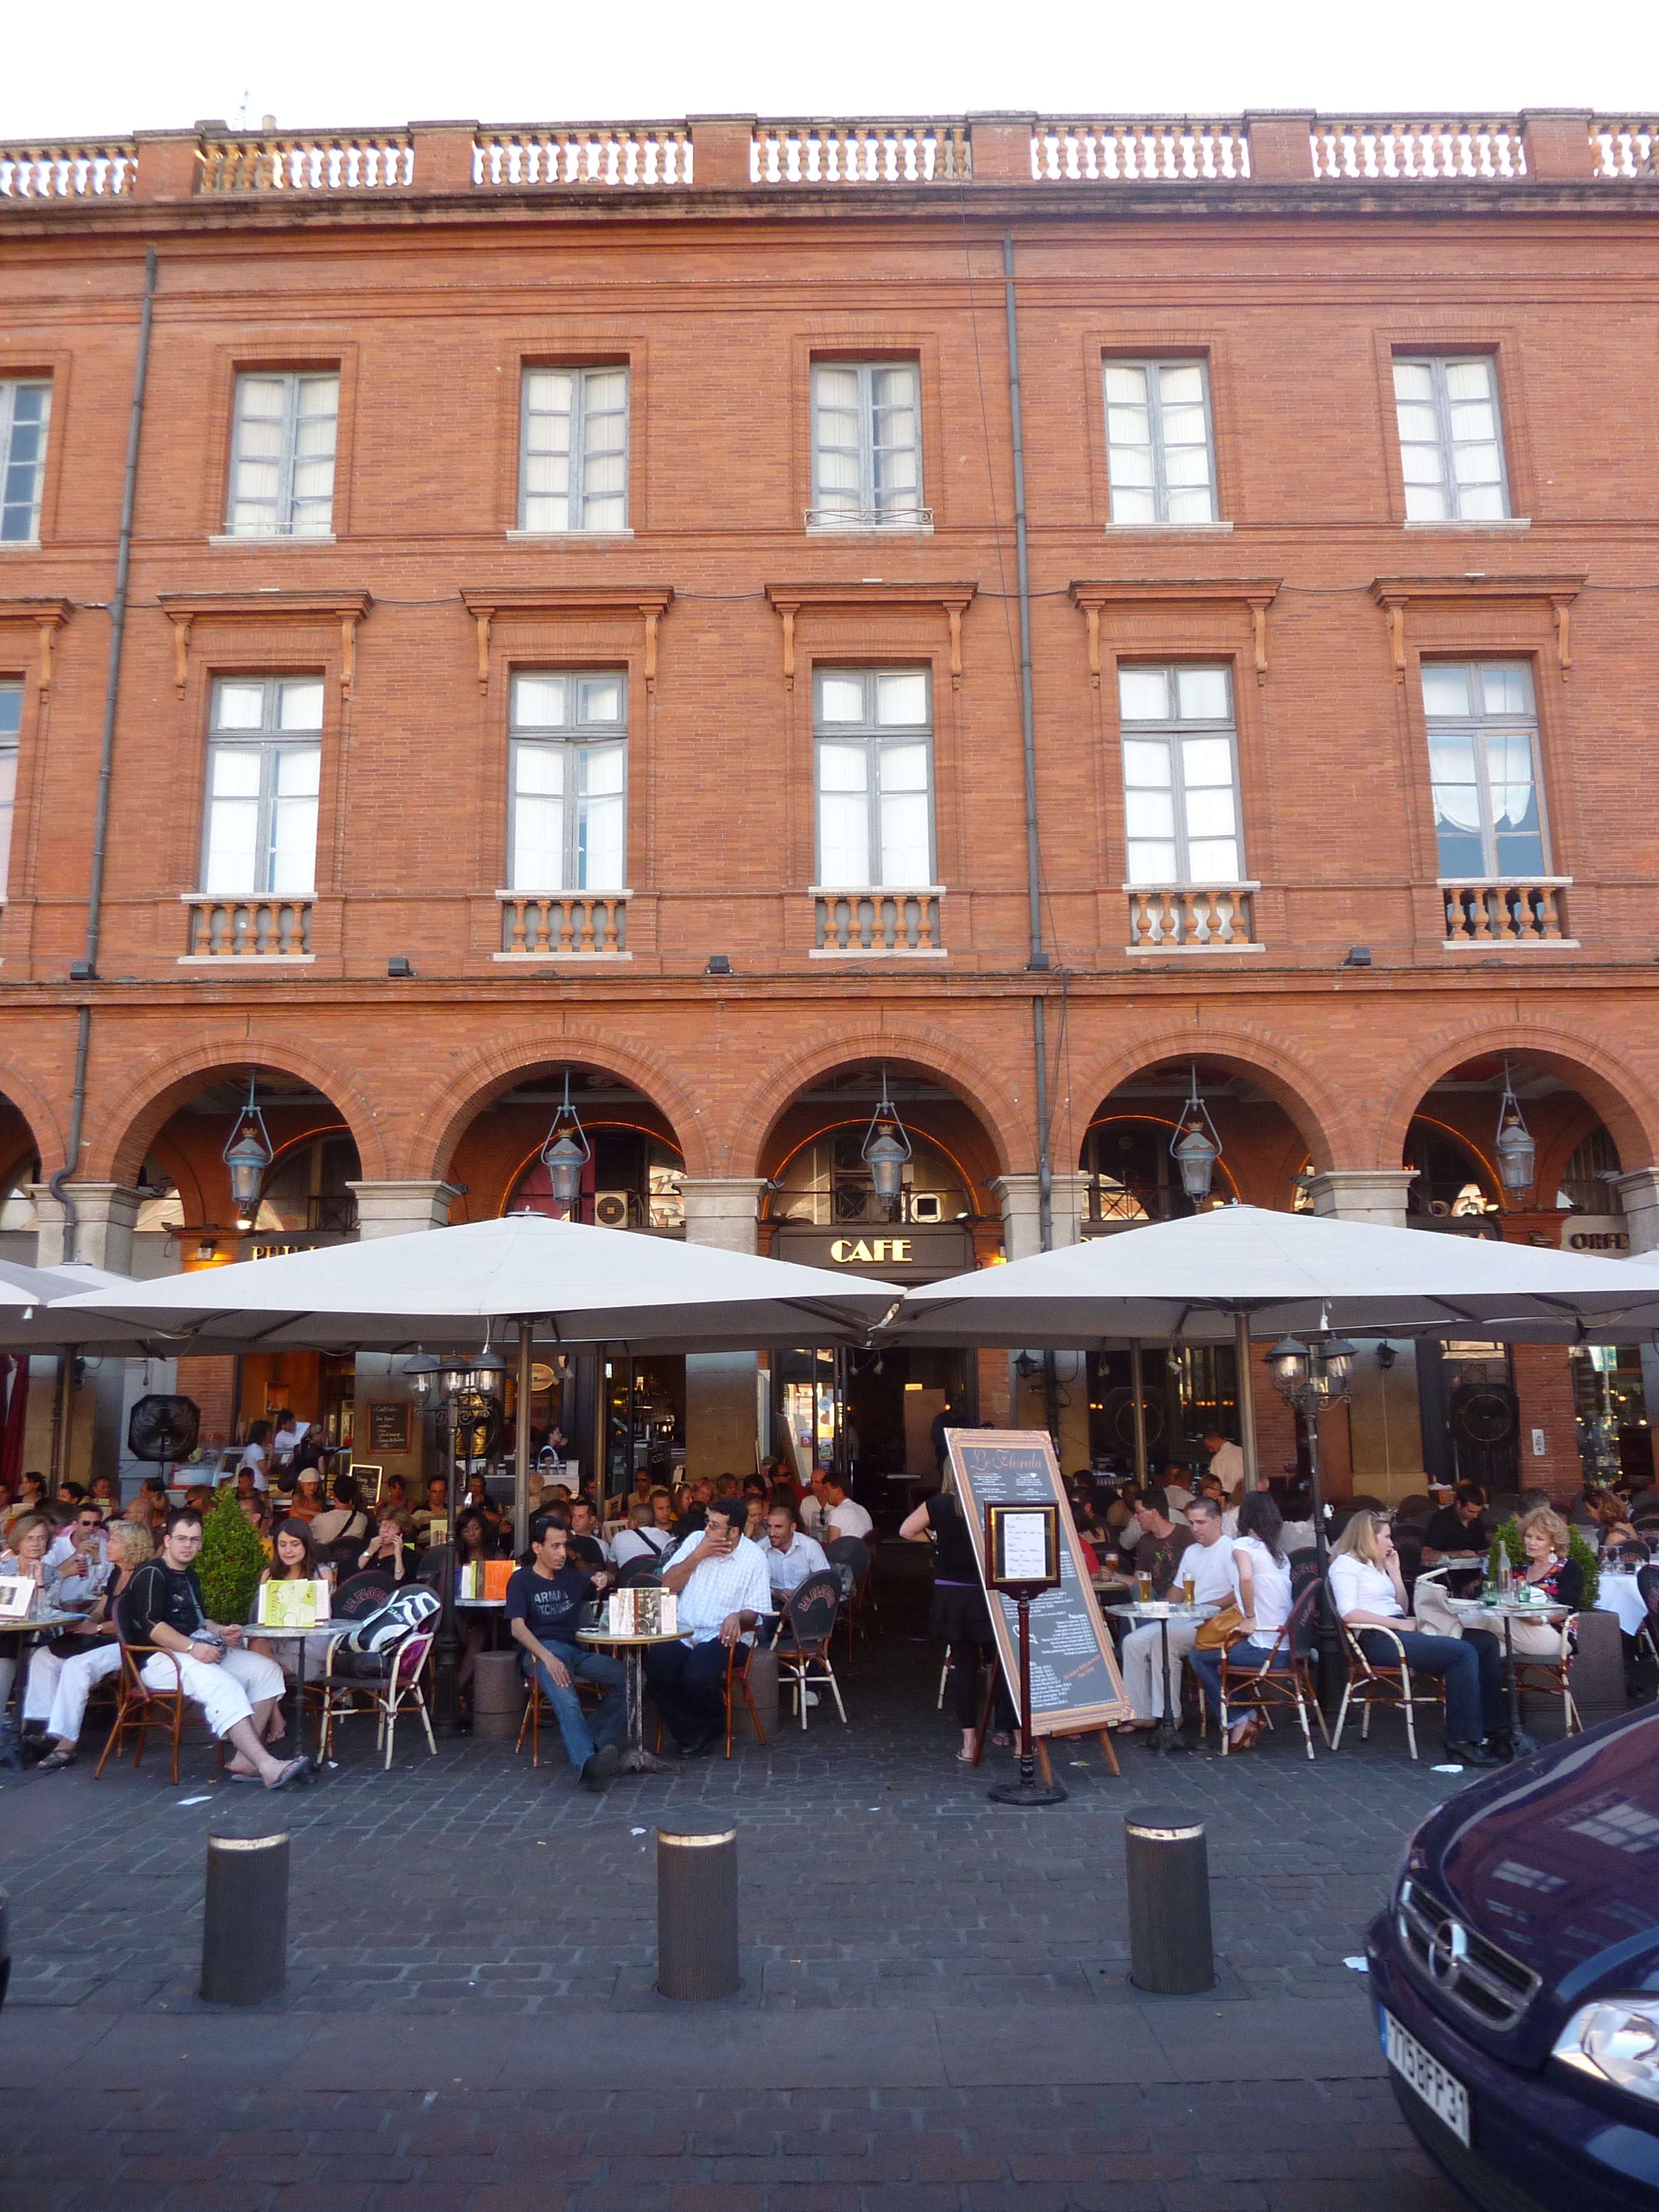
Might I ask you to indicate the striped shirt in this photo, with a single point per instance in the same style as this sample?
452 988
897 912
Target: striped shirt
718 1587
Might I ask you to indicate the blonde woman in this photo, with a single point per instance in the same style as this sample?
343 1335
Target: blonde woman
1545 1539
1369 1594
62 1675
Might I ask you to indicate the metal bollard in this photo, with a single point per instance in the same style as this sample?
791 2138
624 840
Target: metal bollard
697 1913
5 1944
1171 1953
244 1920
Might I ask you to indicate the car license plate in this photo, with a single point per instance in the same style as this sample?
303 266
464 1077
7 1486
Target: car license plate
1442 2093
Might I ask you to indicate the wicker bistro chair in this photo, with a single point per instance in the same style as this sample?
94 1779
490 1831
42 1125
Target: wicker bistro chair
737 1685
536 1707
1534 1671
803 1640
1284 1678
389 1680
138 1708
851 1559
1379 1682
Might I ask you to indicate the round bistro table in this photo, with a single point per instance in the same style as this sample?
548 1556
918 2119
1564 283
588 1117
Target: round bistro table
1551 1616
635 1758
1166 1736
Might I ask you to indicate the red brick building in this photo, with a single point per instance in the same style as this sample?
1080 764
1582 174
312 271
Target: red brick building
574 626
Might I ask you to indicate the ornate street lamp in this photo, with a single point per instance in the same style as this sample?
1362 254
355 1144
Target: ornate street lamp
247 1154
1195 1147
885 1149
1514 1147
1307 1376
565 1154
457 1391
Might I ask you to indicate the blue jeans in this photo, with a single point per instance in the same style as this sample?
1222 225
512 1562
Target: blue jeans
1244 1658
584 1735
1472 1666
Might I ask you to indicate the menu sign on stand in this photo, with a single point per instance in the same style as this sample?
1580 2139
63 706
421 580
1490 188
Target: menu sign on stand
1076 1688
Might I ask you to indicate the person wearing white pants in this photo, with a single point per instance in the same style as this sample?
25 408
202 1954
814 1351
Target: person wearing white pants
237 1690
1208 1560
58 1688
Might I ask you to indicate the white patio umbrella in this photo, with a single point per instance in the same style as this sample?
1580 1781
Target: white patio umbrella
1283 1272
448 1287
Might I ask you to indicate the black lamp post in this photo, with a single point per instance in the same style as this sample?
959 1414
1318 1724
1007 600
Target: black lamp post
247 1154
1306 1376
565 1154
459 1391
885 1149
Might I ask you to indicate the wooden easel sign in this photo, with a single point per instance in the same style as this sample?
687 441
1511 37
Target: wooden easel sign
1075 1686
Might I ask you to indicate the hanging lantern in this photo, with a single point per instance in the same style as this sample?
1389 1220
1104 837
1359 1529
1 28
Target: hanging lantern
247 1154
566 1154
1195 1147
1514 1147
885 1149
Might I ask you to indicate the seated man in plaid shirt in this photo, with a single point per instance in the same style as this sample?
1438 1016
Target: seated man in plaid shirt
720 1580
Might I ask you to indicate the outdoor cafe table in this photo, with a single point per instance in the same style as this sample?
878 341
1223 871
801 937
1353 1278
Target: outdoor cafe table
1619 1594
40 1624
326 1631
1166 1736
1509 1610
635 1758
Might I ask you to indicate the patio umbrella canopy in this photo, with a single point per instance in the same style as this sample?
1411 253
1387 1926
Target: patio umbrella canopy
1286 1272
442 1287
34 1317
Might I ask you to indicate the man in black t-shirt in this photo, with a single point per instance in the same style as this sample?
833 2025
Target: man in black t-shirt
544 1608
238 1691
1463 1526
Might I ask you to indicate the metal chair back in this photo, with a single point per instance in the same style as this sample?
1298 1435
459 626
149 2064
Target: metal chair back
809 1616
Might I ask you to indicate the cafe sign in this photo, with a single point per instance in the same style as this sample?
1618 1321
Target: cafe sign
917 1252
1606 1234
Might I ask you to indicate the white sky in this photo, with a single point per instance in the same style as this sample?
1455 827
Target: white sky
110 65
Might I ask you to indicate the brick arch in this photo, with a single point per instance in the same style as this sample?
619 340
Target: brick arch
475 1078
1318 1112
162 1082
36 1111
1009 1130
1621 1097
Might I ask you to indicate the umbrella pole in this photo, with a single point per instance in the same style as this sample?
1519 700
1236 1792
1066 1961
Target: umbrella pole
1140 1405
521 1444
1246 1399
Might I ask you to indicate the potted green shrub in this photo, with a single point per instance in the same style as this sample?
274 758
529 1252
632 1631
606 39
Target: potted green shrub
230 1562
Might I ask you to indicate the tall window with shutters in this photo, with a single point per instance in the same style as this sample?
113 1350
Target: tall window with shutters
568 794
1451 442
1160 453
873 738
1483 762
866 445
573 449
264 757
25 413
1181 795
282 465
11 724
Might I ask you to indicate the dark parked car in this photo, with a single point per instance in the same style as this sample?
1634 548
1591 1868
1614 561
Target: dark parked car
1516 1979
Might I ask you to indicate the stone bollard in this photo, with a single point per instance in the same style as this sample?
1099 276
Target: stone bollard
697 1913
499 1691
245 1919
1171 1950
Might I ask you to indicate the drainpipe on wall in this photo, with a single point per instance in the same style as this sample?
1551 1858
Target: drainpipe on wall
85 970
1038 961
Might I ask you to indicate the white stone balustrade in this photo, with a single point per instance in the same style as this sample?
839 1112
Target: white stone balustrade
547 925
860 154
68 172
1192 920
1134 152
1624 148
643 153
876 921
1420 149
325 162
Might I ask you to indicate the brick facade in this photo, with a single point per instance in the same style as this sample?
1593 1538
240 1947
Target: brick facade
431 295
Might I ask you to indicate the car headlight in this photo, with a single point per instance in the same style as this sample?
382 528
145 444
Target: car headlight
1616 2040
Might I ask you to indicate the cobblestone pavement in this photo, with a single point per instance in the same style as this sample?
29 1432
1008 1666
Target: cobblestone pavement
936 2015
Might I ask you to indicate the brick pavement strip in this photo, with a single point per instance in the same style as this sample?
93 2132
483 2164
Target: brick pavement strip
470 2025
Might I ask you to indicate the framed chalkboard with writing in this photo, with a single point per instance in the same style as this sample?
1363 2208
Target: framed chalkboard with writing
388 1424
1075 1684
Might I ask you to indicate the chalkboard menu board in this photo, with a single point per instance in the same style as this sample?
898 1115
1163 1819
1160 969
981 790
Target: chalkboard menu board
1075 1684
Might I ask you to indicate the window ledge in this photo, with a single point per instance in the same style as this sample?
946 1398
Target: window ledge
1499 523
1175 951
540 959
20 545
1218 890
1503 883
1525 945
567 537
1169 529
246 959
273 537
577 896
876 891
862 529
878 952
